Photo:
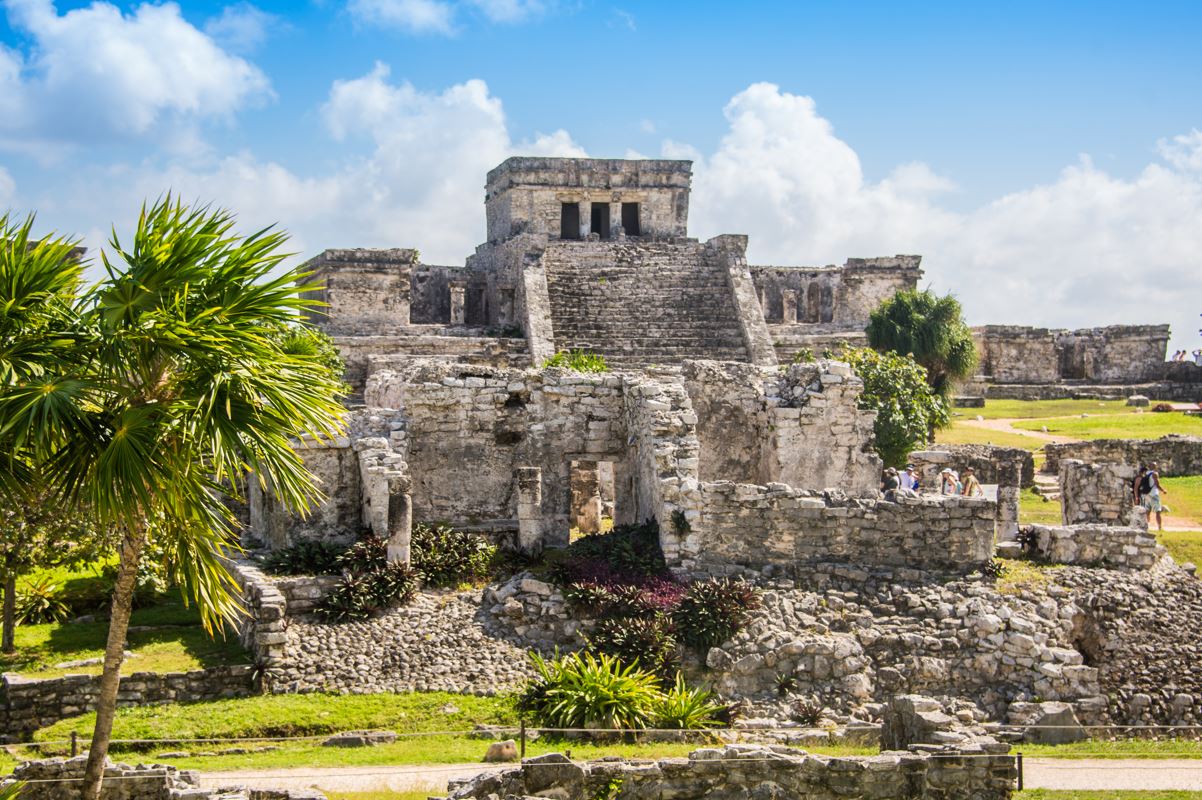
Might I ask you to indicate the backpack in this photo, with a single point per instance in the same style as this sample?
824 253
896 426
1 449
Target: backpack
1145 484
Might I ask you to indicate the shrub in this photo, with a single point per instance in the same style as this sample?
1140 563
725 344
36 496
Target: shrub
629 554
588 598
444 556
40 602
785 683
367 554
712 611
1161 408
362 594
687 709
804 356
649 643
582 690
577 361
304 558
907 408
807 711
680 523
993 568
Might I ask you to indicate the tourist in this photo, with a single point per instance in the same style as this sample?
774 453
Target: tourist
1151 491
1137 485
948 484
1198 356
909 480
971 487
890 483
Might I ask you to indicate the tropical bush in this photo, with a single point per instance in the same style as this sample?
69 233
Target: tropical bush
305 558
444 556
907 408
361 594
577 361
365 555
40 602
687 708
650 643
583 690
712 611
627 555
929 328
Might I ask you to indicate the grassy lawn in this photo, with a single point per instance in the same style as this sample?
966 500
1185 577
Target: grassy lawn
1033 509
1116 426
1125 748
1022 575
1184 497
1030 409
175 643
1183 546
960 433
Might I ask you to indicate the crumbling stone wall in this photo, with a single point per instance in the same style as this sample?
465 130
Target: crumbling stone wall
841 297
29 704
1097 493
1175 455
1096 545
775 529
338 518
750 772
364 291
1119 354
989 462
731 406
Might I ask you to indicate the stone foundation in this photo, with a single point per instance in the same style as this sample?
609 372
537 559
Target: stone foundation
1176 455
1096 546
1098 494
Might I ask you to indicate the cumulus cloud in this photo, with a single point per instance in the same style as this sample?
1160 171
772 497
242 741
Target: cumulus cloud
242 27
411 16
1087 248
98 72
509 10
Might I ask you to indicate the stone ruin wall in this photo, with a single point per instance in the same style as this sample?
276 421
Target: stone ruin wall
1176 455
1096 545
987 462
1118 354
796 299
1097 493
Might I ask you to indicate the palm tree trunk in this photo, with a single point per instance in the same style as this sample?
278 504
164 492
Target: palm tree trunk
114 654
8 643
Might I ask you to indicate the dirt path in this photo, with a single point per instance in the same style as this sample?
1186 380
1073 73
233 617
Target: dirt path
1038 773
1006 425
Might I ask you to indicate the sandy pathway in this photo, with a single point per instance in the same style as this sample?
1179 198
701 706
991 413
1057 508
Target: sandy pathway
1006 426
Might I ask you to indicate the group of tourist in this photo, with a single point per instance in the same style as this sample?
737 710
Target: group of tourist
1146 491
950 482
1182 355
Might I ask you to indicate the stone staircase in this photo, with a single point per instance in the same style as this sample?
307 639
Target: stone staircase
640 303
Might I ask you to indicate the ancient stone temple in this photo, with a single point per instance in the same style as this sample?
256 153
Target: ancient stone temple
593 254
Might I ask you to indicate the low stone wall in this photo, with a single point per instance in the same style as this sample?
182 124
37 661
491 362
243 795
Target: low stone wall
1176 455
27 705
985 459
262 630
1175 391
303 592
776 529
1098 494
59 779
1095 546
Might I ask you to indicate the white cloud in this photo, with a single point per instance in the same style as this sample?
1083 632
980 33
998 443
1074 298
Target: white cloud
8 190
412 16
242 27
95 72
510 10
1086 249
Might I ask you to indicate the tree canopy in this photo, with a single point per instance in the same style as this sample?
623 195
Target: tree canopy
908 408
929 328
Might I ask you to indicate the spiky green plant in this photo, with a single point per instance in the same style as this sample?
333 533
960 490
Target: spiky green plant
687 708
583 690
577 361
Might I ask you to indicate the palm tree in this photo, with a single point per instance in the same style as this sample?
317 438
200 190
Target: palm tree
146 397
929 328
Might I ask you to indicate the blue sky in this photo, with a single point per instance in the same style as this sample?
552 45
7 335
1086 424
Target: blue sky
1043 157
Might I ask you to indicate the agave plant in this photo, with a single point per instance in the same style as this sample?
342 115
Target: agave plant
11 791
41 601
687 708
582 690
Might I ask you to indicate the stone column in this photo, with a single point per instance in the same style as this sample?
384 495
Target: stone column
616 231
458 308
1009 482
400 527
788 299
586 218
585 483
530 508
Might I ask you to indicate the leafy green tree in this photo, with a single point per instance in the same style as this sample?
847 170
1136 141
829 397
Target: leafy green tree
37 534
907 407
929 328
147 396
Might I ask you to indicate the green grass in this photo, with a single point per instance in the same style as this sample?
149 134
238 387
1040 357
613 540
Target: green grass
1116 426
1081 794
1183 546
177 644
419 794
1124 748
960 433
1184 497
1022 576
1030 409
1033 509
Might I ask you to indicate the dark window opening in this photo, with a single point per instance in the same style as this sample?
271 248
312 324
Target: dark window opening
600 220
569 221
630 219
